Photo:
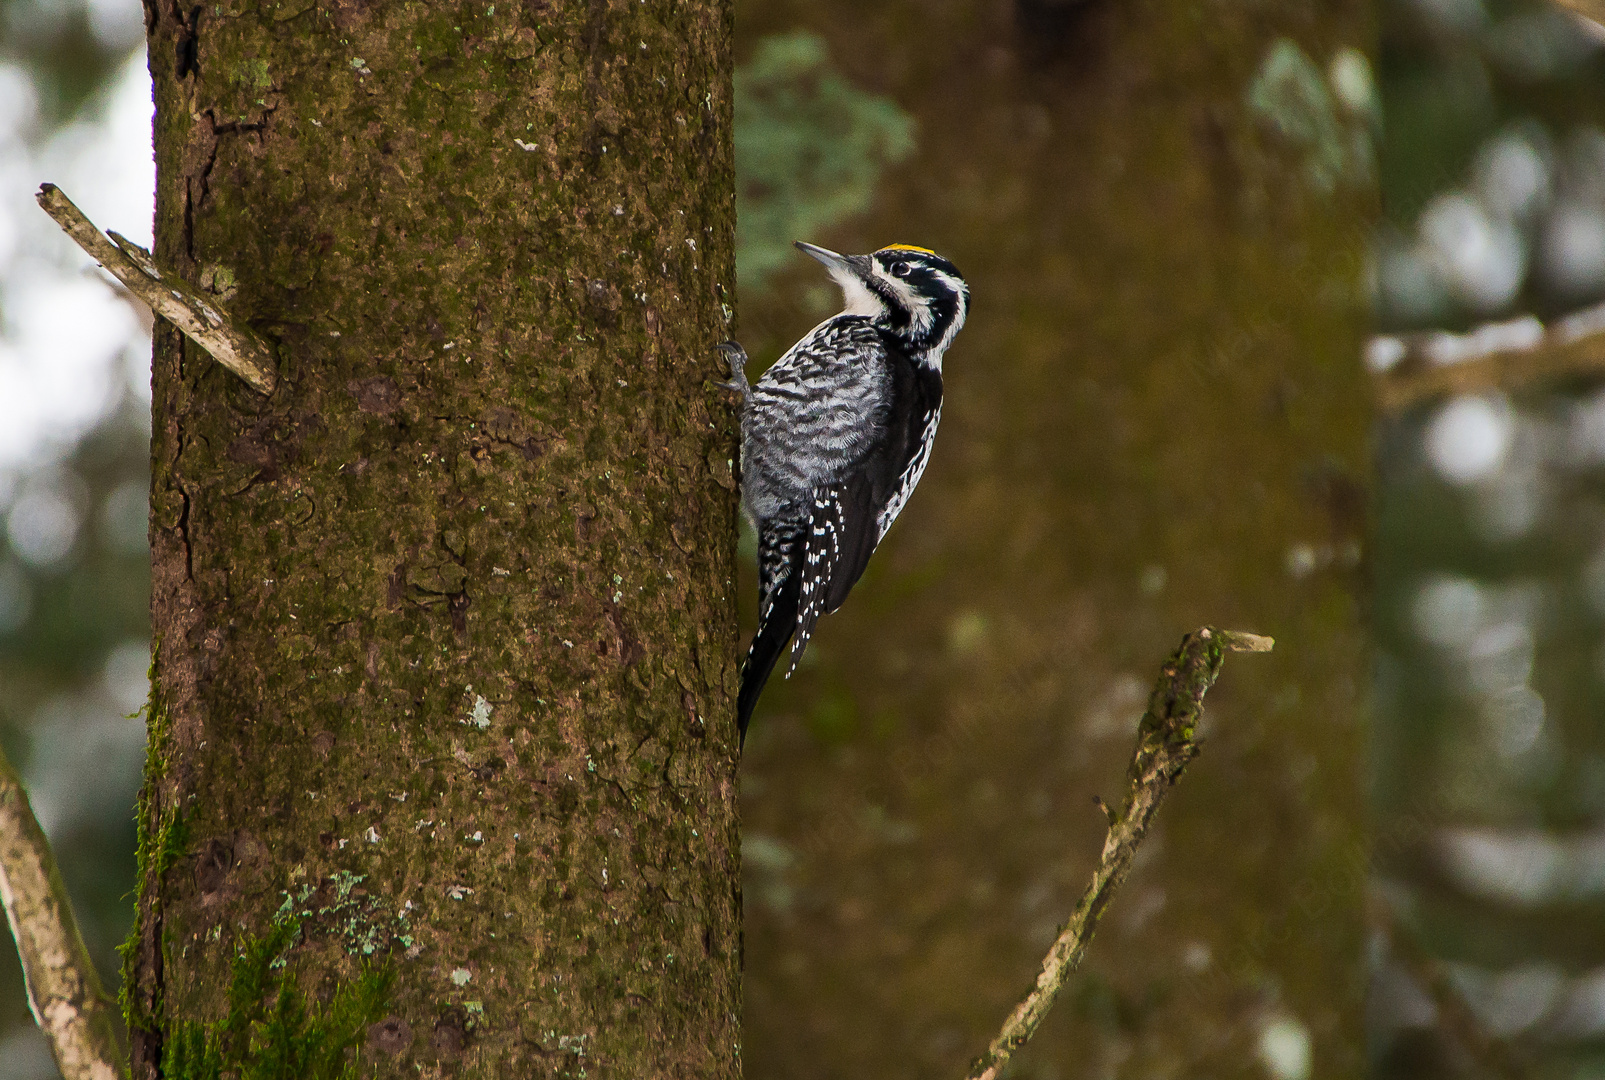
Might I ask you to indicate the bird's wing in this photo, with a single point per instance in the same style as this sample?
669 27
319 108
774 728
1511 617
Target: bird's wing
848 519
841 538
881 484
923 437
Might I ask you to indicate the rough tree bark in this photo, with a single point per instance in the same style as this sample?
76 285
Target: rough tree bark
441 738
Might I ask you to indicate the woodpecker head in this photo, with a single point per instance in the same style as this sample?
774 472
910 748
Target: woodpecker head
912 291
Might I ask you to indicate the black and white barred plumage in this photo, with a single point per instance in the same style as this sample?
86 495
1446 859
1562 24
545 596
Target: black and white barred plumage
835 436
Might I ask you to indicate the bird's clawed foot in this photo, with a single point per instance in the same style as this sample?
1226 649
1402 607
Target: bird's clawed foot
736 356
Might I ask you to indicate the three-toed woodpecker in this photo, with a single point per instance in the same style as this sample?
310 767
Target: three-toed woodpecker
834 437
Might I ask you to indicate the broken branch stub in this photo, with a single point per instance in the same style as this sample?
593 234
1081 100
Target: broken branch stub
170 297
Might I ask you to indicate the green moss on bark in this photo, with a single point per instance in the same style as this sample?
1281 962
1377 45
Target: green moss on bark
273 1029
160 842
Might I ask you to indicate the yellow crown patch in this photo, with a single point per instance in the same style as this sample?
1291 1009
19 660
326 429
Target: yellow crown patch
908 247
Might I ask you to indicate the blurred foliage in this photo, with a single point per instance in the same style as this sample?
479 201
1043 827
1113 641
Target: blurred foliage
1487 781
1489 163
1332 126
74 561
810 147
63 51
73 652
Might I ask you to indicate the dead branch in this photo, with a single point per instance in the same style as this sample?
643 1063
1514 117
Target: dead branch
1167 739
177 301
64 991
1501 1060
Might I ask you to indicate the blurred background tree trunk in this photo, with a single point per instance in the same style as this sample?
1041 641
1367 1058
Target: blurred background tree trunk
441 753
1155 419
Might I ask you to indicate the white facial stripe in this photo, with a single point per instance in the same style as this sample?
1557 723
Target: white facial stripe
858 297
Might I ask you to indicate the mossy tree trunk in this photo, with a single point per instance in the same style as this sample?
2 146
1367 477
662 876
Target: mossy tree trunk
442 753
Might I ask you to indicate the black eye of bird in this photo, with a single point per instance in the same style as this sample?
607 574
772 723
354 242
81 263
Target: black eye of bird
900 269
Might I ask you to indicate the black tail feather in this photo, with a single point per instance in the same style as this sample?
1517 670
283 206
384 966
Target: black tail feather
774 630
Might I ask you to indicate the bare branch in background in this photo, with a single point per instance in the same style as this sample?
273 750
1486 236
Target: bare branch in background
1416 368
1497 1057
1167 739
1592 10
175 300
64 991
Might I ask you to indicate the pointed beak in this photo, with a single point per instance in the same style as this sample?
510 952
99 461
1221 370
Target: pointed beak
833 262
